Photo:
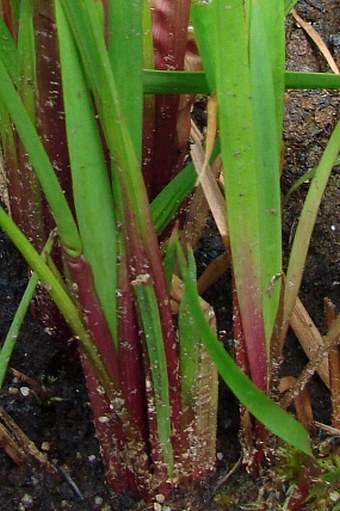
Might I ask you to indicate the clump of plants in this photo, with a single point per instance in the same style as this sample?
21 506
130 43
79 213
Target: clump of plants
279 482
323 494
104 206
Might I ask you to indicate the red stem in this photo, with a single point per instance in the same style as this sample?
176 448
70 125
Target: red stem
31 219
13 182
24 190
109 432
170 22
94 318
308 474
170 341
242 359
140 264
130 352
23 187
50 107
126 429
7 15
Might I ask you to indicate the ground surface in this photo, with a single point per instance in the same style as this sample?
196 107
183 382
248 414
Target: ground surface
56 416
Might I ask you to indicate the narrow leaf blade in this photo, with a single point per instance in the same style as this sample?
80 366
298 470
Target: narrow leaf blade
262 407
90 180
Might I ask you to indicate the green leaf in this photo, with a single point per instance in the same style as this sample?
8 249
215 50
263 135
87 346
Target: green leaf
166 203
9 52
306 224
20 313
306 177
8 140
289 4
90 180
332 476
190 336
195 82
169 260
262 407
269 27
238 123
27 58
125 46
62 214
58 293
267 67
148 49
203 17
15 6
96 63
174 82
149 315
304 80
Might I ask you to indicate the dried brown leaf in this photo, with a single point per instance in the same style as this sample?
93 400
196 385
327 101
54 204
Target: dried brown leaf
317 39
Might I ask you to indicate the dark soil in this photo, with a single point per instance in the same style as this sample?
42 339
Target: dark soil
55 413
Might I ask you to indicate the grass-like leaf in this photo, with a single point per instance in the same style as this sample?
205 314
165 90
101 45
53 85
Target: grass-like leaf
169 259
84 21
241 172
58 293
64 219
189 346
289 4
263 408
191 82
20 313
175 82
306 224
266 62
306 177
166 203
149 316
268 33
304 80
9 52
90 180
26 58
142 246
29 212
125 46
203 17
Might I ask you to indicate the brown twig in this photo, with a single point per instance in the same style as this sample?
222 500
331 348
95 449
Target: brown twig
18 446
224 477
317 39
328 429
207 179
207 194
330 341
213 272
334 367
302 402
309 337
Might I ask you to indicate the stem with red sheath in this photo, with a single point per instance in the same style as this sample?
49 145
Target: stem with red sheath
170 23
